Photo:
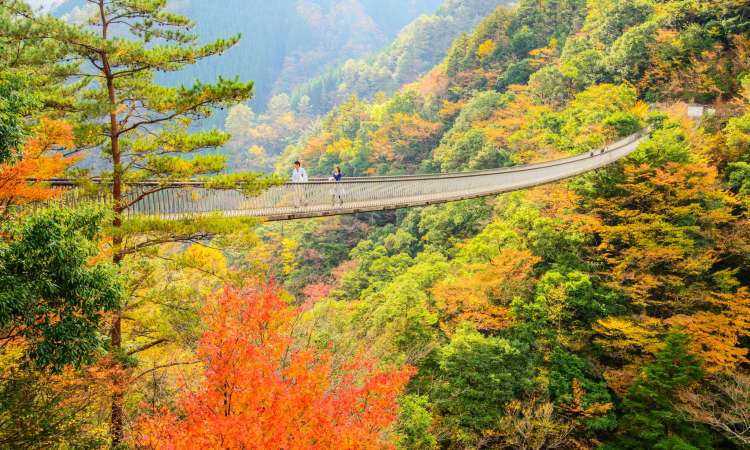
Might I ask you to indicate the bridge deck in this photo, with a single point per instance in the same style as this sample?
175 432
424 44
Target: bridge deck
320 198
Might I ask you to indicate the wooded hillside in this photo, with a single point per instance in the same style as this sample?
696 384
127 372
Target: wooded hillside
608 311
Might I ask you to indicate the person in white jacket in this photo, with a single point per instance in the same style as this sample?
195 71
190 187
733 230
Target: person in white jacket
299 176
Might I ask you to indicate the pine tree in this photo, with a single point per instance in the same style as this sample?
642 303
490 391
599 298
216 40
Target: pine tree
650 418
142 129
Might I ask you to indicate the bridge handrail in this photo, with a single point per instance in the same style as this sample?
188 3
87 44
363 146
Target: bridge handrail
372 179
188 200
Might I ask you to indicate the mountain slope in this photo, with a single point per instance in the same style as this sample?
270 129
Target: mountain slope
257 139
284 41
574 315
418 47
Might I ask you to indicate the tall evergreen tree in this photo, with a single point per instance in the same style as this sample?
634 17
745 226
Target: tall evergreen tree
650 418
141 130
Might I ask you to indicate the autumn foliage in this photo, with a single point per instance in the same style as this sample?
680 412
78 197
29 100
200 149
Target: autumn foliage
483 295
36 162
263 390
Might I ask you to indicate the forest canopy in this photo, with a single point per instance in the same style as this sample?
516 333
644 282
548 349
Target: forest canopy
607 311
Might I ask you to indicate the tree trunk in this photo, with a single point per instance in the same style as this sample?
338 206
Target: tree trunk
116 426
117 413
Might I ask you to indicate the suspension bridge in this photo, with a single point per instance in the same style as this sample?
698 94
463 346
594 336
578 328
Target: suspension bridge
320 197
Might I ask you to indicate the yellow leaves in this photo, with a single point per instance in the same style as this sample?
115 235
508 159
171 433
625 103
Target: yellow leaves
545 56
577 407
531 424
263 132
508 127
715 335
496 134
483 292
623 337
339 147
257 151
640 109
659 237
684 71
288 120
450 110
486 48
206 258
11 356
288 255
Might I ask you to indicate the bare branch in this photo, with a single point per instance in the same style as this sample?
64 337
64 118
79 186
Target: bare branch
145 347
164 366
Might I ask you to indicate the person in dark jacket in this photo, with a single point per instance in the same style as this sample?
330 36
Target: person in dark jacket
337 193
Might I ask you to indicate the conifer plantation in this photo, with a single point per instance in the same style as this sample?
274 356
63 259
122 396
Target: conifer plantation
606 311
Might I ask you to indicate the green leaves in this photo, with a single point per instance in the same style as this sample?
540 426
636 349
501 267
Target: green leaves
739 177
41 411
413 426
563 302
50 293
141 125
250 183
650 419
479 376
16 102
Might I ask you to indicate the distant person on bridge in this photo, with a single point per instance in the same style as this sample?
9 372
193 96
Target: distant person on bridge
337 192
299 176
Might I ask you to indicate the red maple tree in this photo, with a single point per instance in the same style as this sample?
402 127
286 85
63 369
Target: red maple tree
264 390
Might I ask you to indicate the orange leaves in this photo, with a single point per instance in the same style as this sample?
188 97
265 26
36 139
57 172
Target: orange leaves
435 82
716 334
36 164
49 134
714 338
263 390
317 145
663 236
658 236
483 293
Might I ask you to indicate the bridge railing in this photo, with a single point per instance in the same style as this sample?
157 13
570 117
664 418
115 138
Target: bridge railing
351 195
